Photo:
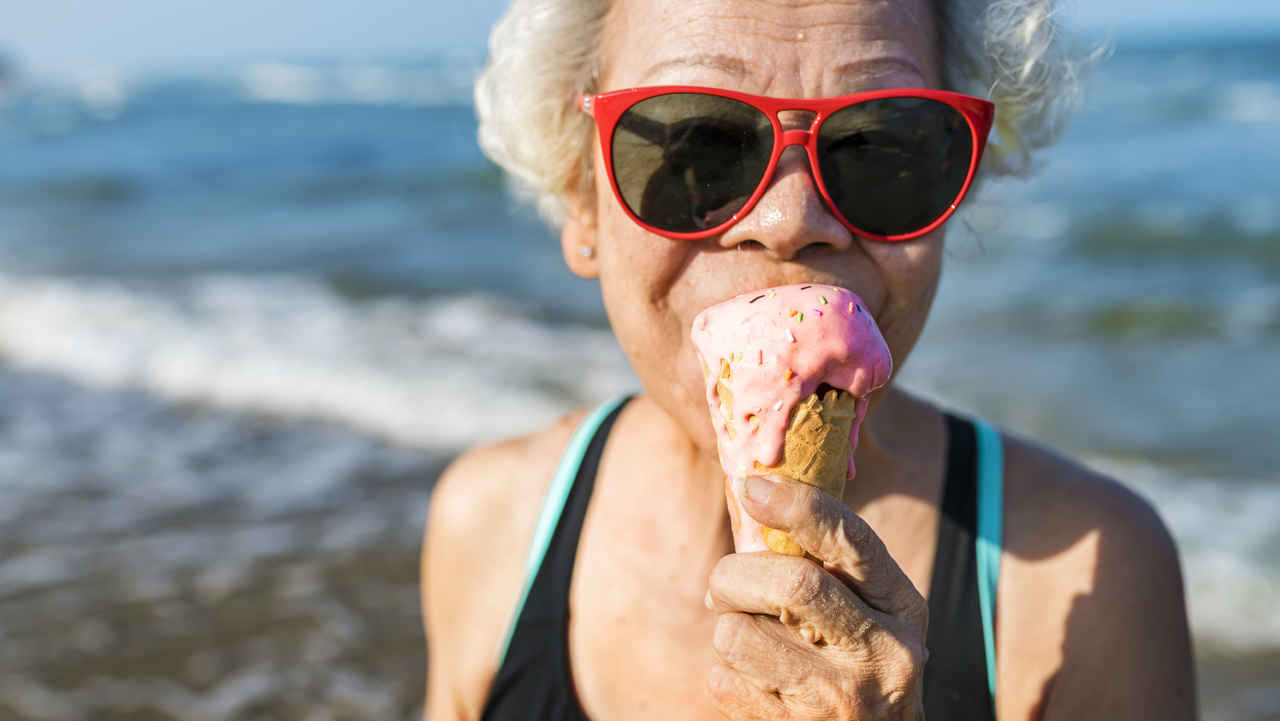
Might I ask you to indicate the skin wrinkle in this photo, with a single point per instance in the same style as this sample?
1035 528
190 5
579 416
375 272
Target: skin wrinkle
867 73
781 39
753 640
903 8
890 61
791 7
727 64
876 67
817 3
805 28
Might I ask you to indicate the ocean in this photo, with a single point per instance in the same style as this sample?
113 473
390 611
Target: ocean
248 312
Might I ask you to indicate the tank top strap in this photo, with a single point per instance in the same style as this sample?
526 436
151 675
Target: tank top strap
990 535
959 680
567 471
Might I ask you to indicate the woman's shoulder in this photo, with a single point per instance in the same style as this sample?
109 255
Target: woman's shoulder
499 481
479 525
1091 597
1054 503
1058 499
489 497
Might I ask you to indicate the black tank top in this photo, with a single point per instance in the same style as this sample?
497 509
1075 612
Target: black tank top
534 682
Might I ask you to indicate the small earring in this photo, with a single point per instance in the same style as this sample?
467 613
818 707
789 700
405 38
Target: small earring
586 251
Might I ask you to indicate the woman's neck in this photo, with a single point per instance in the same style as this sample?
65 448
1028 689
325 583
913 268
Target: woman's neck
898 438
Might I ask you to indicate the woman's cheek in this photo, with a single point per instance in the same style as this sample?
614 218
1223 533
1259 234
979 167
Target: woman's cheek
910 272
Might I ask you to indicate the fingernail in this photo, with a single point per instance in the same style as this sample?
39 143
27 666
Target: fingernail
707 601
759 489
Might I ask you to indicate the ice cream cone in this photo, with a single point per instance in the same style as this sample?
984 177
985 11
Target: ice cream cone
787 396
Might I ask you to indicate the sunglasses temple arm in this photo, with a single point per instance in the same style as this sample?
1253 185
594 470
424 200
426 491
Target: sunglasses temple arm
651 130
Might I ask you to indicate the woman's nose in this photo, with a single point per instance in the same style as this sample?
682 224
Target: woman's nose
791 214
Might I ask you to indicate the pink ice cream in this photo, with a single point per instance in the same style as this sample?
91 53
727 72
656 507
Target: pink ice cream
780 345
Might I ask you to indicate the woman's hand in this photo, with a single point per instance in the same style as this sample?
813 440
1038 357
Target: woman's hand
838 638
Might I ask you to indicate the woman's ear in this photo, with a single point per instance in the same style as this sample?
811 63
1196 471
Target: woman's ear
578 238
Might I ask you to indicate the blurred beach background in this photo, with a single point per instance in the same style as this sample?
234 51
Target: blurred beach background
258 284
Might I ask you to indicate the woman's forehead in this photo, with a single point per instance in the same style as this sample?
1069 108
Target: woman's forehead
801 49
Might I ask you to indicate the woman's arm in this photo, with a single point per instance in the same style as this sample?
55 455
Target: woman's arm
1093 621
447 581
479 524
1127 649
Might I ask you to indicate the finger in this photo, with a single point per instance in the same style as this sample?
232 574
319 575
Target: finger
817 605
763 650
831 532
739 699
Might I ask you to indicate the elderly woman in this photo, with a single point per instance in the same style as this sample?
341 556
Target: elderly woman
587 571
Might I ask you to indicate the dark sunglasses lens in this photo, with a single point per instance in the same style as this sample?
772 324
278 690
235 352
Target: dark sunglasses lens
686 162
894 166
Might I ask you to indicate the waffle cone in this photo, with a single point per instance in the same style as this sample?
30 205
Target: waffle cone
815 449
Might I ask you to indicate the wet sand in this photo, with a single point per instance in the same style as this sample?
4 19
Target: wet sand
330 635
1239 686
216 596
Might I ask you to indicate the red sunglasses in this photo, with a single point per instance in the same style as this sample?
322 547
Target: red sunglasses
689 162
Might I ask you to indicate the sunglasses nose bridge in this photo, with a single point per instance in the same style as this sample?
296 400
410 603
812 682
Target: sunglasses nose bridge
795 137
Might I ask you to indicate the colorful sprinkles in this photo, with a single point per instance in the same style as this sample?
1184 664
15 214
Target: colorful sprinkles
758 353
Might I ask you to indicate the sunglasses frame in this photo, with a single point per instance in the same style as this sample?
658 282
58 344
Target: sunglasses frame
606 108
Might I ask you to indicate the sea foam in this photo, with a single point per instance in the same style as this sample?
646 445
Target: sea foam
439 373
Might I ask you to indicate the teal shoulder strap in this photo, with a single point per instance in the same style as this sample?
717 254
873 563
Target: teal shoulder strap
557 494
990 535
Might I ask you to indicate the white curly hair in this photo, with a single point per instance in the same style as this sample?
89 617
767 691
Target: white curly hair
543 52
